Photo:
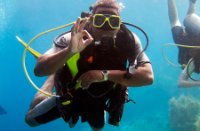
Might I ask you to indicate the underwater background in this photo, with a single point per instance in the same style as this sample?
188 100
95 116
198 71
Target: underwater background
156 105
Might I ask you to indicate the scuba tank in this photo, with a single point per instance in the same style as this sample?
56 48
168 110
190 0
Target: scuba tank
192 24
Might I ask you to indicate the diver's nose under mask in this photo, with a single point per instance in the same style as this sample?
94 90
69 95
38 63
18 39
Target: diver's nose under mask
106 27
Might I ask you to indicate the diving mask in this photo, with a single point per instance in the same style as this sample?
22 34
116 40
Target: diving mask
106 21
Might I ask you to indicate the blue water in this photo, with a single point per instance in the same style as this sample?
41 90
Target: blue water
2 111
27 18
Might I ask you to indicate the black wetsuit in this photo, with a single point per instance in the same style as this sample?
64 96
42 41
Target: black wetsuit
181 37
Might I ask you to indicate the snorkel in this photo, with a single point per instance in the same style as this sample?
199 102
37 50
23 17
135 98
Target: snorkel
37 54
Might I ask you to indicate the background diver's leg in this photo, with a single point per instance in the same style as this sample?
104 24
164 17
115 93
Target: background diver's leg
191 8
173 14
47 87
192 21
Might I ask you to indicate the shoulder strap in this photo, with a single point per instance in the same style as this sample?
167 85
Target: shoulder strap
126 41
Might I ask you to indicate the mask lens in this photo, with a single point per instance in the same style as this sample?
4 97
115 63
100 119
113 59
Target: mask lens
99 20
114 22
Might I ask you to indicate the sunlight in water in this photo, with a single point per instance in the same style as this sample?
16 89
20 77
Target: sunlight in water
6 13
2 16
121 4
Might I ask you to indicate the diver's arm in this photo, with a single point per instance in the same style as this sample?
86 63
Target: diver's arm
183 80
173 14
191 8
143 75
50 63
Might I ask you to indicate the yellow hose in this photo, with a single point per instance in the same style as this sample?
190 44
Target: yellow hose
172 44
36 54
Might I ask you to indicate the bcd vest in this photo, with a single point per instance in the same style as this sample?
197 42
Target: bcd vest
93 57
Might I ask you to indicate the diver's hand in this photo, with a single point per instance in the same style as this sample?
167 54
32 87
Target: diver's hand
90 77
80 38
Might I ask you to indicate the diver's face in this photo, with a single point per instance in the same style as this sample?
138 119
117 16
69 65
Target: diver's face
98 32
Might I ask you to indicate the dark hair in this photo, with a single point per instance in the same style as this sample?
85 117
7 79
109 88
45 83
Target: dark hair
196 57
195 53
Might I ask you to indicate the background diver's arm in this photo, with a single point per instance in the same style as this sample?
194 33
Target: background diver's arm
183 80
173 14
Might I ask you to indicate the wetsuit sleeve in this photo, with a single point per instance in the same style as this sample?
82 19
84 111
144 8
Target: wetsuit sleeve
60 42
63 40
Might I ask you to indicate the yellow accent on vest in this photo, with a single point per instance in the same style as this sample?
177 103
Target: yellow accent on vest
66 103
72 64
78 85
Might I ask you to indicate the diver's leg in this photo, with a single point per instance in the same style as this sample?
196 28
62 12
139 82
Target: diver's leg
43 112
96 117
41 104
192 22
95 129
191 8
47 87
116 107
173 14
98 121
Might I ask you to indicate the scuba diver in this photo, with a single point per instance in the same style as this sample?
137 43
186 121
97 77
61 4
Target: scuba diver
187 57
192 66
96 79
